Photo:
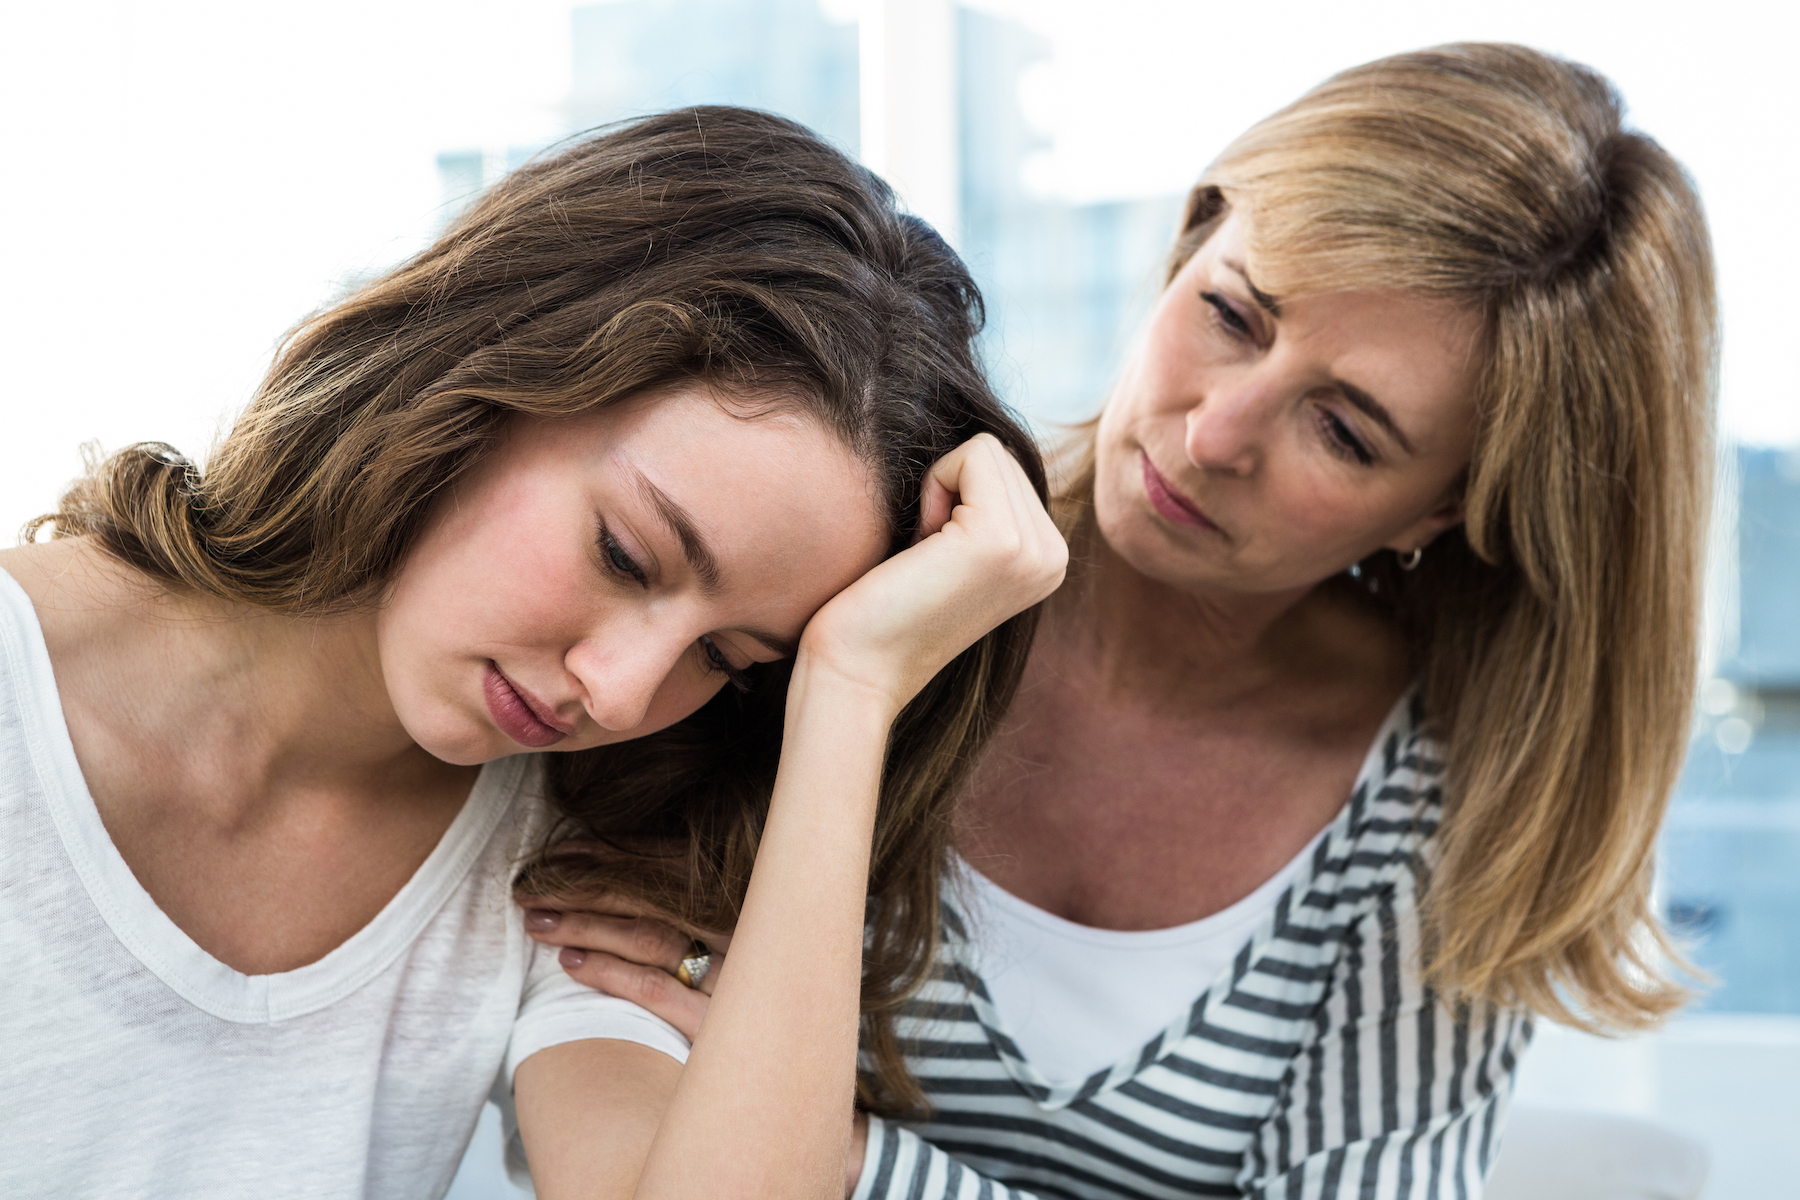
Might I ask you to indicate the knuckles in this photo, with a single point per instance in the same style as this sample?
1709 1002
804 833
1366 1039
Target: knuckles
1029 564
654 990
653 943
627 980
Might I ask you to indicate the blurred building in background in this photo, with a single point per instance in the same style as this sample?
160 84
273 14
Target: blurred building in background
1065 283
788 56
633 57
1731 851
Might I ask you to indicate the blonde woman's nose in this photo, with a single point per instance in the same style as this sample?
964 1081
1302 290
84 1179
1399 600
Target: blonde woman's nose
1225 430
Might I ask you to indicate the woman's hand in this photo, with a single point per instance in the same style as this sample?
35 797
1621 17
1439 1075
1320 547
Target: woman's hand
990 551
622 948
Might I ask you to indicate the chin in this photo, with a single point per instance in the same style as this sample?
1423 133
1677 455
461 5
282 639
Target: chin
1144 543
452 737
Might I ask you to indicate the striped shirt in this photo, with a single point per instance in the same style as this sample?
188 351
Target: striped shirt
1316 1067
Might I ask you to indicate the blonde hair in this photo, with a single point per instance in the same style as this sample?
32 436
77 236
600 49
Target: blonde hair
1555 630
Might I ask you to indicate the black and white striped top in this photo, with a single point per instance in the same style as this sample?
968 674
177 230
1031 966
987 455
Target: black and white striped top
1316 1067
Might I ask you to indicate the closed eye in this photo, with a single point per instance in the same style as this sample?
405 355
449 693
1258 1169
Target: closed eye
716 661
616 559
1227 315
1341 440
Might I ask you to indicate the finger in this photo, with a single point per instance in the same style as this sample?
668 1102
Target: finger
1025 506
952 473
1043 545
658 991
1002 521
935 505
608 903
635 939
1028 506
994 511
992 484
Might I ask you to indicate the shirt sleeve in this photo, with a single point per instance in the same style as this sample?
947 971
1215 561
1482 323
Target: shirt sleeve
556 1009
1394 1095
900 1165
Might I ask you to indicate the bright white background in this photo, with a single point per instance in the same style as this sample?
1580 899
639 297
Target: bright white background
186 179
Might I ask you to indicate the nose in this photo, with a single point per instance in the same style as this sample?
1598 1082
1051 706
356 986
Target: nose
621 674
1226 427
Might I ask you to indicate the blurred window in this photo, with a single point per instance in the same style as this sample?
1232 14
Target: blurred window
1731 850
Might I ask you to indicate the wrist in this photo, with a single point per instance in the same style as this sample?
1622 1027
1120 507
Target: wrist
854 694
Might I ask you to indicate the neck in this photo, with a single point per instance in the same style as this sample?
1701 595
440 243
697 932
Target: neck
1196 647
246 708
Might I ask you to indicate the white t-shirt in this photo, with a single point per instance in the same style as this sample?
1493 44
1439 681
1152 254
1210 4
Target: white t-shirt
133 1063
1076 999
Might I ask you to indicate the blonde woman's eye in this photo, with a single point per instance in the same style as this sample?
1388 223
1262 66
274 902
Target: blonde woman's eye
1342 441
1228 316
716 661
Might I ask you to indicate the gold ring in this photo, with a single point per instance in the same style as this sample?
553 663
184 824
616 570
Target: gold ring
694 964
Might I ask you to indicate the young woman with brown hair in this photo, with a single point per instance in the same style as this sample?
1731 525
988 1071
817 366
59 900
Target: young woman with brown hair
1344 748
663 410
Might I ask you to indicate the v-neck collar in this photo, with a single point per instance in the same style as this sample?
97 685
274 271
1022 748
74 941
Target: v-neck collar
1313 885
149 934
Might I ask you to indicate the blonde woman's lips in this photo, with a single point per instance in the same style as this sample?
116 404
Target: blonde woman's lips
1171 504
515 714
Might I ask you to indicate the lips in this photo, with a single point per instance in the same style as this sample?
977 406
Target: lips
519 715
1171 504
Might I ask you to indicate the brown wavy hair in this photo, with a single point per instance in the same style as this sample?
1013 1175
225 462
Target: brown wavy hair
1556 629
717 245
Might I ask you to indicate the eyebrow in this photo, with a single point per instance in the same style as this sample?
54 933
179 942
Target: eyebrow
1359 399
1372 408
1266 302
700 557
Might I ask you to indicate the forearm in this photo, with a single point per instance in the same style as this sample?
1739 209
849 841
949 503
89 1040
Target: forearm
763 1106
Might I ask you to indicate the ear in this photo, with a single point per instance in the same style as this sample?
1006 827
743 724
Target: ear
1424 531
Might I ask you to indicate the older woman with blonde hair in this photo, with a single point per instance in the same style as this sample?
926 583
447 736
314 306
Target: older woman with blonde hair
1341 753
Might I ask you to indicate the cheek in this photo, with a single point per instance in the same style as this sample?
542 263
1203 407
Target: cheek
505 577
1315 518
1309 505
682 694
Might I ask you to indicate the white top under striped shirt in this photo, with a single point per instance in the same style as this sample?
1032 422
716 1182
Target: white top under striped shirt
1315 1067
1075 999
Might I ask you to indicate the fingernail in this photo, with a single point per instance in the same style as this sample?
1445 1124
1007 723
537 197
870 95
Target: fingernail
542 920
571 958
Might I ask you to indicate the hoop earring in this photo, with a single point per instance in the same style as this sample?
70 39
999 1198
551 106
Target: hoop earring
1409 562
